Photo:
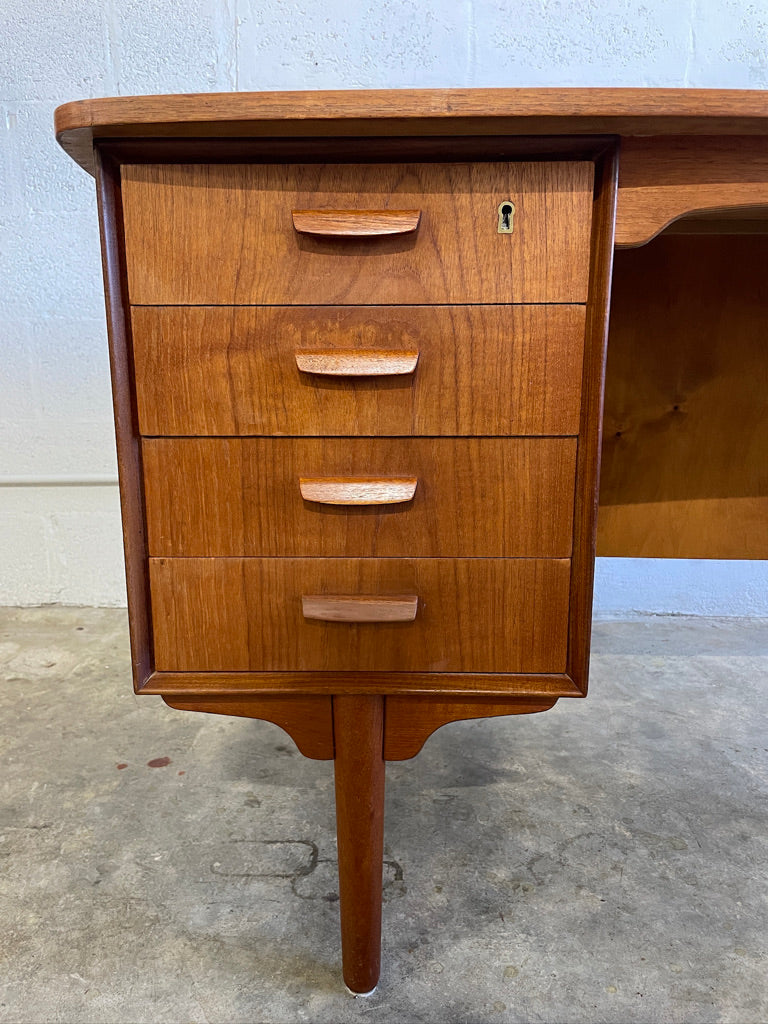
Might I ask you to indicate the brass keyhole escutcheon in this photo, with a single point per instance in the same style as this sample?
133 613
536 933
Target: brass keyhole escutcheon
506 215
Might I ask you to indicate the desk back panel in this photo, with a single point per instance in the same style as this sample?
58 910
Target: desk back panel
685 440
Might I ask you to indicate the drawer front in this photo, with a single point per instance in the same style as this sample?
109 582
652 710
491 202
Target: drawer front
478 370
468 497
230 234
471 615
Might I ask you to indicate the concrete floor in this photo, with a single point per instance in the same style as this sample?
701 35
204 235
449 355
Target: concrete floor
603 861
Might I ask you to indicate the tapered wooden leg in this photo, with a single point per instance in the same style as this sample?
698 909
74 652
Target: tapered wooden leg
359 767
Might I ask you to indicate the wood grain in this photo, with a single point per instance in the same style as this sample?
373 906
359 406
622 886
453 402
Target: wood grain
482 370
307 720
410 721
476 497
230 633
359 776
663 179
359 607
733 528
410 112
356 223
588 463
475 615
222 234
126 420
402 684
685 450
352 363
358 490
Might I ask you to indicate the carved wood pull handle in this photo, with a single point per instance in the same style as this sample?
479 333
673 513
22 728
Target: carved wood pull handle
356 223
359 607
358 490
357 362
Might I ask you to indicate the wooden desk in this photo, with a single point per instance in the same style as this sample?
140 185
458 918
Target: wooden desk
358 356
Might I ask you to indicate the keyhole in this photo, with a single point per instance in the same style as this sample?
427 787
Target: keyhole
506 213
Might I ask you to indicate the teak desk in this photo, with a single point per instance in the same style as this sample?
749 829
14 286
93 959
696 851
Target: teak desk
358 359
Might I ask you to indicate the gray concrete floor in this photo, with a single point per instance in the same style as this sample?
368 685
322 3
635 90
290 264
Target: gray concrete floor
603 861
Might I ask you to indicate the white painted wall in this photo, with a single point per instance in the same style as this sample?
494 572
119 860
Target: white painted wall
62 544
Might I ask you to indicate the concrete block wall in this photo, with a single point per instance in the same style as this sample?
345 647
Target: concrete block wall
60 542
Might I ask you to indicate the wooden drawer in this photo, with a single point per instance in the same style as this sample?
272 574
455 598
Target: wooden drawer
350 496
473 615
478 370
227 233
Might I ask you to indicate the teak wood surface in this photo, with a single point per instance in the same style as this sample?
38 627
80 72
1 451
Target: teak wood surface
359 490
359 608
411 112
665 179
461 685
475 615
410 721
221 234
355 223
308 720
126 418
474 497
359 775
590 432
488 370
210 189
354 363
677 157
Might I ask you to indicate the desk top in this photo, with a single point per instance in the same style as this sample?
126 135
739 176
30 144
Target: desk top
624 112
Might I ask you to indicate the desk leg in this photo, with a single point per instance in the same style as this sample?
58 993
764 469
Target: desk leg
358 724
